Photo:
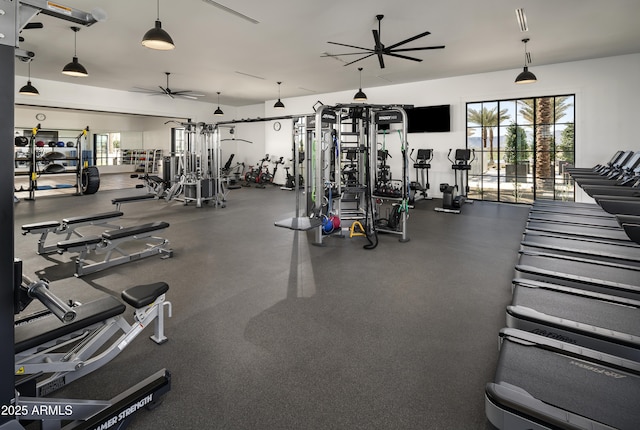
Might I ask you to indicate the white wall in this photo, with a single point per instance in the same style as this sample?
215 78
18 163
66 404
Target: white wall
607 94
139 116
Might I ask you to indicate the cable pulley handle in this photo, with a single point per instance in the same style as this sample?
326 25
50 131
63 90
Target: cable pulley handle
40 290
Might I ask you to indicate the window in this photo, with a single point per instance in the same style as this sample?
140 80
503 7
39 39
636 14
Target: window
106 148
522 148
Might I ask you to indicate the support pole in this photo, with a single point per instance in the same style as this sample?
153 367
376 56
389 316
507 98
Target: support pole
11 19
7 100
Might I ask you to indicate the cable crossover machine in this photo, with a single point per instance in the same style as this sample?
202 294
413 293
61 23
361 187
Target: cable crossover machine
342 198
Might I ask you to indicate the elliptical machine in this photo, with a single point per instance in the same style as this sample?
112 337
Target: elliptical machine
422 164
461 164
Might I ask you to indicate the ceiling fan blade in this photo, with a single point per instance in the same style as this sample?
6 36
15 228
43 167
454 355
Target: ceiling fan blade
404 57
417 49
186 96
411 39
376 39
350 46
186 93
347 53
359 59
145 90
379 48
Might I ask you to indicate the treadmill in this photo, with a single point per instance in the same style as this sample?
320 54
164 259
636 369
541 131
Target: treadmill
591 320
598 167
613 235
600 249
542 383
599 276
565 218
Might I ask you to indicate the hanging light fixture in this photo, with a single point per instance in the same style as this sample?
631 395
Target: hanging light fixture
279 104
218 112
74 68
29 90
360 96
526 77
157 38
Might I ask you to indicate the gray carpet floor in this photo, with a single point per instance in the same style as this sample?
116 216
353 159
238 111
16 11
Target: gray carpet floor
271 332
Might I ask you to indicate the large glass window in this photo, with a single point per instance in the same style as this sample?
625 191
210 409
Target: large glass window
522 147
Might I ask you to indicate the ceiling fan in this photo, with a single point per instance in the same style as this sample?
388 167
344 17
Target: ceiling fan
166 91
379 49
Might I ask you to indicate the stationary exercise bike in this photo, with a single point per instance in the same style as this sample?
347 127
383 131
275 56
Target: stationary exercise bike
254 173
290 183
422 164
461 164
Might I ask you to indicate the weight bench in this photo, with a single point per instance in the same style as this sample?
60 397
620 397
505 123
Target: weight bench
111 241
119 201
64 352
67 227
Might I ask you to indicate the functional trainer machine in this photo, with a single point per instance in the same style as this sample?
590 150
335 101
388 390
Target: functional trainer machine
461 164
350 139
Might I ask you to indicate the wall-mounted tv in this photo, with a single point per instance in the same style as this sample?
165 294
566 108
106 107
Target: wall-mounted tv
429 119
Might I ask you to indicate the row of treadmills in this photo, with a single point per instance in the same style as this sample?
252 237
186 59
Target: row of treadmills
570 351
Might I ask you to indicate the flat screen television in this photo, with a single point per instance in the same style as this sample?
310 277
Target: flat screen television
429 119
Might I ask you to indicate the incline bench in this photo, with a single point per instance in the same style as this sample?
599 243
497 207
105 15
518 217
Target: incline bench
110 241
67 227
60 353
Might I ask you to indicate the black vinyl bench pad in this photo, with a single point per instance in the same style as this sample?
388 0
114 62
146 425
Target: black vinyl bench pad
91 218
143 295
40 225
50 327
134 230
133 198
113 235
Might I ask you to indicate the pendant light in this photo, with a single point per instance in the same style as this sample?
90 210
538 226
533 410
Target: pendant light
218 112
74 68
279 104
157 38
526 77
360 96
29 90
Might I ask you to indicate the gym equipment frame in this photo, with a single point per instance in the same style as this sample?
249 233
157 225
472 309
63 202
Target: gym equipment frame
87 178
361 121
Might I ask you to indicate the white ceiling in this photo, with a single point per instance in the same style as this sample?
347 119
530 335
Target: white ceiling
216 50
